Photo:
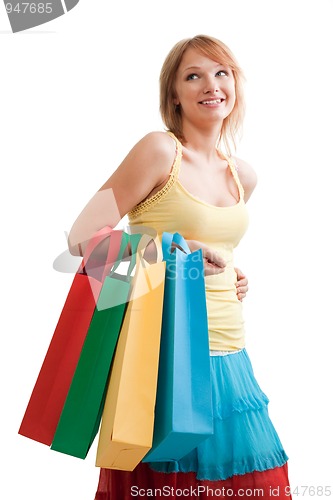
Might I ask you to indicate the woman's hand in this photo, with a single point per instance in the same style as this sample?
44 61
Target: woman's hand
213 262
241 285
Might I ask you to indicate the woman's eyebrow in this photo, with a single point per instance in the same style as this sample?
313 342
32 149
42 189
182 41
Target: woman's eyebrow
192 67
199 67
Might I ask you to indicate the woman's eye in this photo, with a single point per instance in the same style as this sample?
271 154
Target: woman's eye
192 76
222 72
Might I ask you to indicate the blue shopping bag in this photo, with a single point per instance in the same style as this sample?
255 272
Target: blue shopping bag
183 411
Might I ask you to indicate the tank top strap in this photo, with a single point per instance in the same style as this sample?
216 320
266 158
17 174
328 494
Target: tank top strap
234 170
172 178
174 172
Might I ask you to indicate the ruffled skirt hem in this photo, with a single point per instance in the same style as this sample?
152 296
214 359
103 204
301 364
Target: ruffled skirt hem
146 483
244 438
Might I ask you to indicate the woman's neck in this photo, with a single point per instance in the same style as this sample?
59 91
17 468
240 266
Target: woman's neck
202 141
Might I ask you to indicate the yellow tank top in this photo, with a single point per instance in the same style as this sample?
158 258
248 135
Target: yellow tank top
174 209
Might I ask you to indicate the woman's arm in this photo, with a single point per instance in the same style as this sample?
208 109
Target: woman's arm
146 166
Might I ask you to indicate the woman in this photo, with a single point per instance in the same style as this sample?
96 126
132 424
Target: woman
180 181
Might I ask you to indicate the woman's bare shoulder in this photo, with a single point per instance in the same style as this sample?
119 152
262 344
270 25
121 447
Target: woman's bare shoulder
153 155
247 176
157 143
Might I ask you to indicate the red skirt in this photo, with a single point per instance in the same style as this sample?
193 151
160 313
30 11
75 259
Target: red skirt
143 482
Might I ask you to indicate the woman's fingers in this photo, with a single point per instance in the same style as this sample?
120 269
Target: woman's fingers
214 258
241 284
213 262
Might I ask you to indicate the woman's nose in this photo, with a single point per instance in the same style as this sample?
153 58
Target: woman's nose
211 85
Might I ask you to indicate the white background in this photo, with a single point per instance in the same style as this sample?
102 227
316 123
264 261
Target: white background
76 94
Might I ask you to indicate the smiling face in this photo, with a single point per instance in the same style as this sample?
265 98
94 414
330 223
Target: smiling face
204 89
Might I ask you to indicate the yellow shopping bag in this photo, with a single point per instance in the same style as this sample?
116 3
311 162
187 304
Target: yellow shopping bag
128 417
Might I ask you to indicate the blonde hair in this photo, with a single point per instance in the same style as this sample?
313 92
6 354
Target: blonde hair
216 50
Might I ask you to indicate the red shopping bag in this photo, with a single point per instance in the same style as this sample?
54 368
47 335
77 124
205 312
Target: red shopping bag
50 391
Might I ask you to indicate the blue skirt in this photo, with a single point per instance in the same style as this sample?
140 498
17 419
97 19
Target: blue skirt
244 438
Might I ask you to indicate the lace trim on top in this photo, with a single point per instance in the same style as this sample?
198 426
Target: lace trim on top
173 176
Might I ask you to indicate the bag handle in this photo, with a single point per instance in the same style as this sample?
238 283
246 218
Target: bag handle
145 240
180 241
134 241
177 238
166 243
98 238
131 240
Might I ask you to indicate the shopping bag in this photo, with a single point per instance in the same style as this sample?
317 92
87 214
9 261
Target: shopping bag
80 417
183 412
49 393
128 417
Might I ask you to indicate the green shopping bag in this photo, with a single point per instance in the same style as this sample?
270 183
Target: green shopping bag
81 414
